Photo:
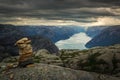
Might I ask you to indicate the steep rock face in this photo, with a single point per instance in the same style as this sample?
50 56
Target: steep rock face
93 31
108 36
55 33
9 35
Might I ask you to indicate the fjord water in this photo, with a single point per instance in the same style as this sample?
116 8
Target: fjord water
76 41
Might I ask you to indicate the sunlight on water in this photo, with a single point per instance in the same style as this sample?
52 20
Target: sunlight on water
76 41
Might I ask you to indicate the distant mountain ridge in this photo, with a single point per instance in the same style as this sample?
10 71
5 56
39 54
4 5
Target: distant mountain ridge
54 33
106 37
43 37
95 30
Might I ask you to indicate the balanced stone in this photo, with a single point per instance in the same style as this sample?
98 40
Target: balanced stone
25 52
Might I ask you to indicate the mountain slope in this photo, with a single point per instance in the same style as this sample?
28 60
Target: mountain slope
54 33
9 35
108 36
93 31
43 37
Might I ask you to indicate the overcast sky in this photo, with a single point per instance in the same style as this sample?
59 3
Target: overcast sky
60 12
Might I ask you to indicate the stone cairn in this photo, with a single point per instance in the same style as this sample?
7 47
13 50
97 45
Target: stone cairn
25 52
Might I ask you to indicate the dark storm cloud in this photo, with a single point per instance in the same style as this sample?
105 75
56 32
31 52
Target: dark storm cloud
55 4
56 9
108 1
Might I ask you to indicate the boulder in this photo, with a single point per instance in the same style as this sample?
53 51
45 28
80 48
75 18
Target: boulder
42 51
51 72
44 56
101 59
41 56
